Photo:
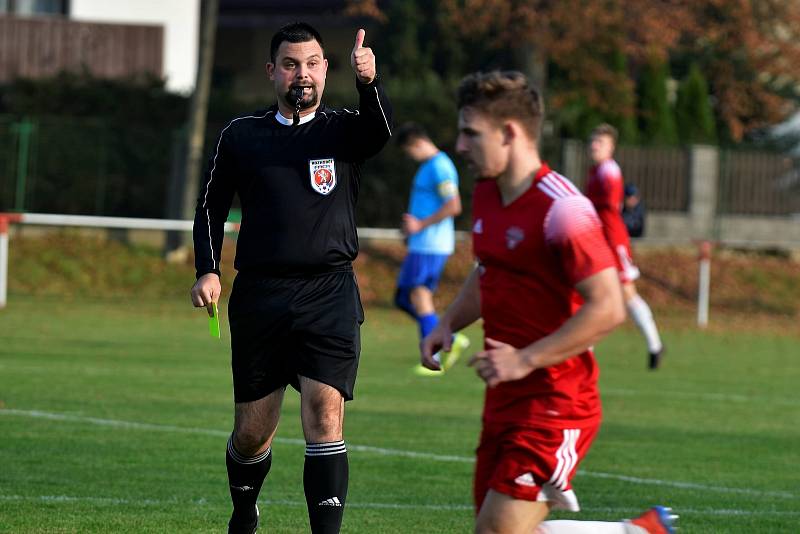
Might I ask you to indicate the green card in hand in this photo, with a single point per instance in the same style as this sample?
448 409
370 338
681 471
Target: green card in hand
213 322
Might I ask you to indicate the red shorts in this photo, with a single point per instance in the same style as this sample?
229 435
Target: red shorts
532 464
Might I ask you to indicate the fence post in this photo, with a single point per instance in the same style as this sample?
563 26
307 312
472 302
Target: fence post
3 261
572 153
102 172
703 283
5 220
173 208
703 182
24 131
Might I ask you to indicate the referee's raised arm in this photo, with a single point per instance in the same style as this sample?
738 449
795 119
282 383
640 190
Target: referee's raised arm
373 124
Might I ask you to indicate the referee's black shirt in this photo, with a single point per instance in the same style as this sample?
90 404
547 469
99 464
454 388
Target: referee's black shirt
298 187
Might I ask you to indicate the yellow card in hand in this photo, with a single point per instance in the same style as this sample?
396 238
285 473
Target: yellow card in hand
213 322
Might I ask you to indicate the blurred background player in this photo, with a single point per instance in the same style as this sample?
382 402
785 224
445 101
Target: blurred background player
539 244
604 187
428 227
633 212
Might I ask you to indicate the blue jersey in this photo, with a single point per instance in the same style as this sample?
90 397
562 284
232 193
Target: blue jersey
435 183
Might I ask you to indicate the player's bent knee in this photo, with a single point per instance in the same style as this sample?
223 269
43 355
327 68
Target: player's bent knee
249 441
323 425
323 422
402 299
251 435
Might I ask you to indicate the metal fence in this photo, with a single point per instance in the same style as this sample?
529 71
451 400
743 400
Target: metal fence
757 183
83 166
661 174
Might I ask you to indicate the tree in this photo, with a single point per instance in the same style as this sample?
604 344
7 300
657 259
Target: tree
402 36
750 49
586 42
658 121
624 117
693 112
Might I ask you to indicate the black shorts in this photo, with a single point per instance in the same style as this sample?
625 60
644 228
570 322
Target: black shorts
285 327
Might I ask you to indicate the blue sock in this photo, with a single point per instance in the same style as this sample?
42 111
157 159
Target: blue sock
427 323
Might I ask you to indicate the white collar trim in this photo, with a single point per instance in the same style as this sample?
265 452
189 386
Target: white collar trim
288 122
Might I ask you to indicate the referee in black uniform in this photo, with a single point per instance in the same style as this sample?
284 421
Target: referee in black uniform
294 311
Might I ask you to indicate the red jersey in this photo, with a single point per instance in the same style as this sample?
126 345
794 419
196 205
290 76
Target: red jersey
531 255
605 187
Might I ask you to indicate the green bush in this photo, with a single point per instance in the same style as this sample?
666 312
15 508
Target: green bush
97 146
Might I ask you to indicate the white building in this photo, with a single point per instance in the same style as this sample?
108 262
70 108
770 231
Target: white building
38 38
179 18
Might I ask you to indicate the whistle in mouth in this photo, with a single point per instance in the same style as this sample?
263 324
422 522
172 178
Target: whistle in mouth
298 97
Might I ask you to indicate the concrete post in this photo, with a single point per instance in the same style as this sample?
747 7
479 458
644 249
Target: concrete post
572 156
3 261
5 221
703 183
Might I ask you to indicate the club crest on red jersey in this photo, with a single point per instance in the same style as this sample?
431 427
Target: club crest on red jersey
323 175
514 237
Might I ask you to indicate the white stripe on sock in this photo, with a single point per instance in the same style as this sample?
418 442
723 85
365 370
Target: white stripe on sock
239 458
325 449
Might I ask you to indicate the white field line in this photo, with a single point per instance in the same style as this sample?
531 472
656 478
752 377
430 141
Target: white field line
37 414
717 397
622 511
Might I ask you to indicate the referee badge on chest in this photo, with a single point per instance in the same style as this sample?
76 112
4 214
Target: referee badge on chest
323 175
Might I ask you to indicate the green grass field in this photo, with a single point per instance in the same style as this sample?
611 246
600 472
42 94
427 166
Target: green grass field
114 416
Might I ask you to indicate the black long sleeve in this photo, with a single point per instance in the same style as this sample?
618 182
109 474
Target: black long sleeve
298 186
213 206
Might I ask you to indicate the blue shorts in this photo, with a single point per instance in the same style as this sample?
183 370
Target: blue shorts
420 269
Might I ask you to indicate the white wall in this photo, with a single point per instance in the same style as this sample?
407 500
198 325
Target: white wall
180 19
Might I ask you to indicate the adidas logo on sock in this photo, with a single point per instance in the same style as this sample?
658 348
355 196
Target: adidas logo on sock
242 488
333 501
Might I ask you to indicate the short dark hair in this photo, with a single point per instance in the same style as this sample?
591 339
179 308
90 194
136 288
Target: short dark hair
408 132
503 95
294 32
606 129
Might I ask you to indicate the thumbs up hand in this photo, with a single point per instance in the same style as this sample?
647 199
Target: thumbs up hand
362 59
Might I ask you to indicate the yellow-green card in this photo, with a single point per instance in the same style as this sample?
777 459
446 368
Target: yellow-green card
213 322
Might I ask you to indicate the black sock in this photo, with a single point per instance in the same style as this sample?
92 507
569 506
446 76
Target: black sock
325 480
245 476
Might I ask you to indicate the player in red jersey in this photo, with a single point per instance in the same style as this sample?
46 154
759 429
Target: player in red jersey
605 188
546 286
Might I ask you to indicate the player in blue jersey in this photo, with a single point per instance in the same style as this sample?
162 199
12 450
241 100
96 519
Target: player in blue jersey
430 234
